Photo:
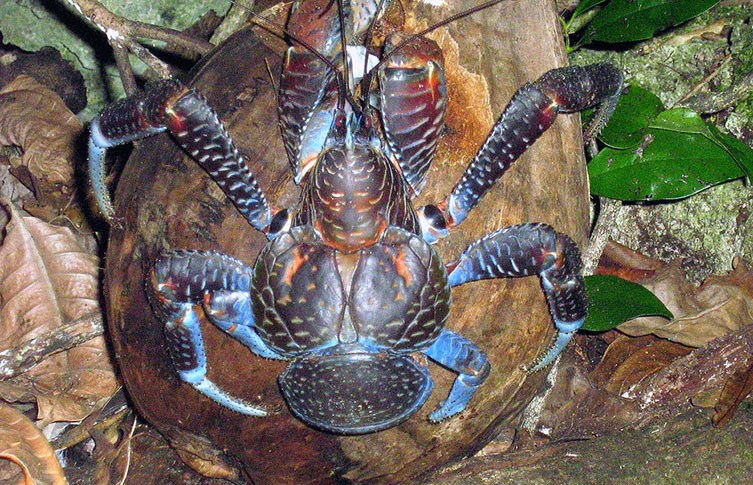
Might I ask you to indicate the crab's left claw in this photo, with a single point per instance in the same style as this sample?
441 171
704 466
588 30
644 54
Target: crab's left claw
181 281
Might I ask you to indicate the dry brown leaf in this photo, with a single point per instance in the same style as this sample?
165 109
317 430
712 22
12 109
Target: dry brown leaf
628 264
23 444
202 456
737 388
721 305
630 360
47 279
36 119
700 373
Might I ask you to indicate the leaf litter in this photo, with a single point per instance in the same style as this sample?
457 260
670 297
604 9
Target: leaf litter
49 279
654 368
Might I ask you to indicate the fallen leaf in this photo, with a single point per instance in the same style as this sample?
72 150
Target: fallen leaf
721 305
23 444
737 388
628 361
702 371
48 279
201 455
36 119
628 264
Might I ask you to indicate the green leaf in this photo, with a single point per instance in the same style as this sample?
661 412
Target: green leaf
677 155
584 7
629 124
612 301
688 121
668 165
634 20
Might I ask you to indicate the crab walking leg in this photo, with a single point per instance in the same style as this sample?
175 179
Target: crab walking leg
529 249
169 105
180 281
530 113
458 354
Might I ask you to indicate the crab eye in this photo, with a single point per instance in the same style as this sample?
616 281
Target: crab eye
367 122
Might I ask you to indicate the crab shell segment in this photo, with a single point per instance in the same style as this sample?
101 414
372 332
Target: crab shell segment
355 393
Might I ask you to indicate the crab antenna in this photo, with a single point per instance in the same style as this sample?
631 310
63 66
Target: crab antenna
344 48
273 27
367 42
367 77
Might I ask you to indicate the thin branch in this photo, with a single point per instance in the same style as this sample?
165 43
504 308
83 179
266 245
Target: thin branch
608 209
121 32
234 19
18 360
176 40
123 62
708 103
705 81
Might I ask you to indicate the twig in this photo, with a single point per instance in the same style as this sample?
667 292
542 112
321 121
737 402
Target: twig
121 32
708 103
235 18
18 360
705 81
608 209
124 68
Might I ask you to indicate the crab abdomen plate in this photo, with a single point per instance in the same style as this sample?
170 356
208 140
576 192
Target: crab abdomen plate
355 393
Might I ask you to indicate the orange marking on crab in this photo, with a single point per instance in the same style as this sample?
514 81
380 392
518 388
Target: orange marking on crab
402 268
177 122
164 289
547 115
208 305
298 261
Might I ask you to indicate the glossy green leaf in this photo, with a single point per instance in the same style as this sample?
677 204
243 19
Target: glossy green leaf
737 149
688 121
585 6
612 301
629 124
668 165
634 20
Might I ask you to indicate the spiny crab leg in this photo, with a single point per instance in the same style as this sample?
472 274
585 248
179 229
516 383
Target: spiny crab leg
525 250
169 105
460 355
178 283
531 112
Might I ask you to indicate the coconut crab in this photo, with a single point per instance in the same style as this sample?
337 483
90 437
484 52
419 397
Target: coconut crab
349 286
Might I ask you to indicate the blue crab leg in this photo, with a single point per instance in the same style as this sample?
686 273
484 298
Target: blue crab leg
180 281
531 112
460 355
169 105
532 249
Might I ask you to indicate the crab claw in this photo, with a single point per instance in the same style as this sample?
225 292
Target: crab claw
355 393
